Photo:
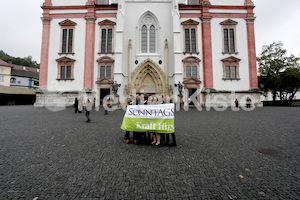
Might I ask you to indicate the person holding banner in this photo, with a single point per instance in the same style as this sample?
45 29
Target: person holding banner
156 136
136 135
156 119
127 133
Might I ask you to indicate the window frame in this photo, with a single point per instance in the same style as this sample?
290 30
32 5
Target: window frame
68 25
190 24
106 25
231 62
106 62
13 80
105 71
191 62
65 62
230 25
148 21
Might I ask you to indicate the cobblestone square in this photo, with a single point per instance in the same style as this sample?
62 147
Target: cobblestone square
219 155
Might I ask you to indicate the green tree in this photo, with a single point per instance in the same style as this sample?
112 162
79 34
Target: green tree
272 63
290 83
27 61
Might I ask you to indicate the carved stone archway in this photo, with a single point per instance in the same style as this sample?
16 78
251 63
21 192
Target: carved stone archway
148 77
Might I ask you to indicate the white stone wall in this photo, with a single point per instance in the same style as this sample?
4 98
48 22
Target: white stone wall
21 82
217 56
132 30
228 99
228 2
68 2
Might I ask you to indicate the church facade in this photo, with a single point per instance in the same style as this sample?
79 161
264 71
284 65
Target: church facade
148 46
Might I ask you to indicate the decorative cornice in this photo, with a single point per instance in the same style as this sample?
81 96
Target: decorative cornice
46 20
90 19
191 80
206 18
104 81
65 60
231 59
250 20
105 59
229 22
67 22
191 59
107 22
190 22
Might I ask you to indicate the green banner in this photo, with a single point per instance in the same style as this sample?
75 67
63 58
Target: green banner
149 118
148 125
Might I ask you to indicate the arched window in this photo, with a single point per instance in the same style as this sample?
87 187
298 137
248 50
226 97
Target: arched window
148 32
152 39
144 39
13 80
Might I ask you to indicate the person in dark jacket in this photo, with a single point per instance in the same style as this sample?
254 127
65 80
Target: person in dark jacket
76 105
136 135
127 133
236 103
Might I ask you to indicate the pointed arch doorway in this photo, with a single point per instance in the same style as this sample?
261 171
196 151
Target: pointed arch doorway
148 78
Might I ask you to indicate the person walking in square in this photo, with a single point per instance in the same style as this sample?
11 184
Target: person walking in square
236 103
248 102
80 105
106 103
88 108
76 105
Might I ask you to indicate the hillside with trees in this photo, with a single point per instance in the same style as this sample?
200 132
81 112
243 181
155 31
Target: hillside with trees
27 61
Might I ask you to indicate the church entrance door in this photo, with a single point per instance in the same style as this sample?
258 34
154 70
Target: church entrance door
103 93
148 78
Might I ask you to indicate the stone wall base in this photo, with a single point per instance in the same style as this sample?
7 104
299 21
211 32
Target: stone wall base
45 98
219 99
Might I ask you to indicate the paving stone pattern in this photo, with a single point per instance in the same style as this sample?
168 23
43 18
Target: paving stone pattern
57 155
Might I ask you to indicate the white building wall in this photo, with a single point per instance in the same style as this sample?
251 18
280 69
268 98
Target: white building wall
68 2
132 30
128 27
79 50
217 56
228 2
21 82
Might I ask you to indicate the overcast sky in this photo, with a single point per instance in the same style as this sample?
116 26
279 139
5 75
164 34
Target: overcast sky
21 26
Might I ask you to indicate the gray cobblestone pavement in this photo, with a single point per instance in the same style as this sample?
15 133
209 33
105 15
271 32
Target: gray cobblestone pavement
57 155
